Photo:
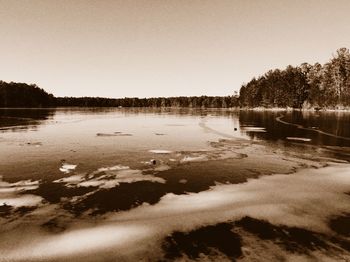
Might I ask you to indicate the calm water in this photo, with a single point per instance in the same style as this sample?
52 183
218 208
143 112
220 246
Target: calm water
166 184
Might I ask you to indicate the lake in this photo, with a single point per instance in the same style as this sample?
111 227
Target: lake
137 184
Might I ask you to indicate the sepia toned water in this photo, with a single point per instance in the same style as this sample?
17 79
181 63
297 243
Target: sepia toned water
115 184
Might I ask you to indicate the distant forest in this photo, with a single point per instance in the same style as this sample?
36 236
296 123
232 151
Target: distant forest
305 86
182 101
24 95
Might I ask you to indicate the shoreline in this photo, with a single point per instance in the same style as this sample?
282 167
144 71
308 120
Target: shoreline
289 109
272 109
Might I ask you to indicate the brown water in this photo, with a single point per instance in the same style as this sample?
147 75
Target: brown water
165 184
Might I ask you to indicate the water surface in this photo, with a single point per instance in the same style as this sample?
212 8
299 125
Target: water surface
164 184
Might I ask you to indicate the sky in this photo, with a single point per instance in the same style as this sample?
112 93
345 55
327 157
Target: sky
149 48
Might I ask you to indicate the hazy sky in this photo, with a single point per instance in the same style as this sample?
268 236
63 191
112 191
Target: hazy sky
149 48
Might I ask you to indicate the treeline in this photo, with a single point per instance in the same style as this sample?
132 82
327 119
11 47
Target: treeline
304 86
24 95
182 101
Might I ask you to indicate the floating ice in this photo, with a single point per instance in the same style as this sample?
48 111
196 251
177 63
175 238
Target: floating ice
23 185
12 193
112 168
299 139
162 167
110 177
254 129
113 134
20 201
160 151
200 158
71 179
122 176
67 168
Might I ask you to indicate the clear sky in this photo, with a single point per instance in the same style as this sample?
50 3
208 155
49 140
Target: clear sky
144 48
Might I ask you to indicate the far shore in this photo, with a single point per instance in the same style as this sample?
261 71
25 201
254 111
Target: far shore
295 109
271 109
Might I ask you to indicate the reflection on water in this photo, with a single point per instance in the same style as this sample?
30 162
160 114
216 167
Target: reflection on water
96 184
23 119
321 128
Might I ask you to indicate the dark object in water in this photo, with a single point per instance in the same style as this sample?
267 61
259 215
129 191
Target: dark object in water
153 161
113 134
